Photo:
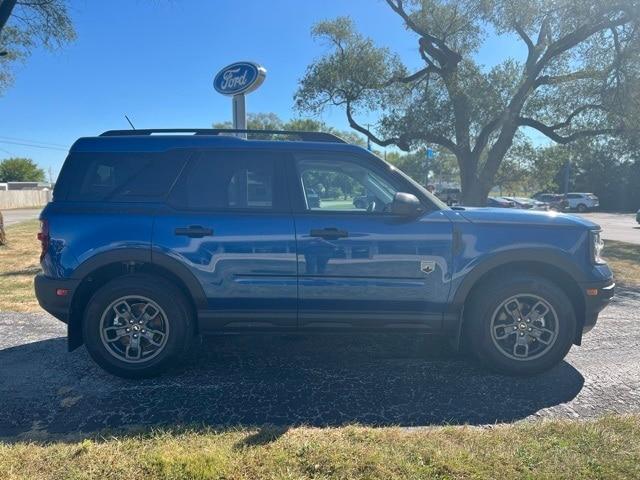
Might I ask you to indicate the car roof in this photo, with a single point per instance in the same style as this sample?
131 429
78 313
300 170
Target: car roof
164 142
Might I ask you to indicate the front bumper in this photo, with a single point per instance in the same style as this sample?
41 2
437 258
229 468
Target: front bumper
51 295
597 296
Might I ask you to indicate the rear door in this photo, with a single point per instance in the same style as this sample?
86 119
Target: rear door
229 222
360 266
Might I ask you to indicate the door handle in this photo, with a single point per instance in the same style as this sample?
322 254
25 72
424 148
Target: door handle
194 231
328 233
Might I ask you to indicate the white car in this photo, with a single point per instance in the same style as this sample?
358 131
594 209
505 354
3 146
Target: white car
582 202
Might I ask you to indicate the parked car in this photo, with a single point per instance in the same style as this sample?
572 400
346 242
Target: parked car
313 199
153 238
555 201
362 201
528 203
499 202
582 202
451 196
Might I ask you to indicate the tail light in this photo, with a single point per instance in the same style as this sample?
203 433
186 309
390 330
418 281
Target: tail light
43 236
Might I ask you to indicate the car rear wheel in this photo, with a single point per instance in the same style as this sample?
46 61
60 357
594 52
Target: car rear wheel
582 208
137 326
521 326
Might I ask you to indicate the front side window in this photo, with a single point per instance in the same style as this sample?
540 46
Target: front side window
228 181
343 185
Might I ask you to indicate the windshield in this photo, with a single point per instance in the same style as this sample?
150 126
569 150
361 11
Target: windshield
435 200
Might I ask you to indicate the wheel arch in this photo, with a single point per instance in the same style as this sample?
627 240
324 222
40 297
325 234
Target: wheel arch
97 271
551 266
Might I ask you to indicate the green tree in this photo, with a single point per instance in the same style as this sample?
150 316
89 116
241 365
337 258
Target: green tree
25 24
579 78
20 170
271 121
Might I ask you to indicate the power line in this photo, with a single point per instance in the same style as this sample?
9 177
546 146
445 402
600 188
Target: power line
24 144
16 139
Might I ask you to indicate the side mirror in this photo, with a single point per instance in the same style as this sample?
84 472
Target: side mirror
406 205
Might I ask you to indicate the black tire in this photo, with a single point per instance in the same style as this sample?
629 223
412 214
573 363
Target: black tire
173 305
582 208
480 310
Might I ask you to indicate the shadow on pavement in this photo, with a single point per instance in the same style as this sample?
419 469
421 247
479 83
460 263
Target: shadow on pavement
280 381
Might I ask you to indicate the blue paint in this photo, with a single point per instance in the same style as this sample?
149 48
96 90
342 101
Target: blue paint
262 268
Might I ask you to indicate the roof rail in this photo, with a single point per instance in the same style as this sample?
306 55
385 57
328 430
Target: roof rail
305 136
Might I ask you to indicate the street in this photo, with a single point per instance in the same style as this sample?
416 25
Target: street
20 215
621 227
287 381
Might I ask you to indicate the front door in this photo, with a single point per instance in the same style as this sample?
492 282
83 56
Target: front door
360 266
230 224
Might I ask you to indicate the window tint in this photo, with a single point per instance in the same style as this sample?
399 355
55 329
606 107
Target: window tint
121 176
228 181
344 185
574 195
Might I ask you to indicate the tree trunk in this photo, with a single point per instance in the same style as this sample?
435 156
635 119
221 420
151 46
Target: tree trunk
473 191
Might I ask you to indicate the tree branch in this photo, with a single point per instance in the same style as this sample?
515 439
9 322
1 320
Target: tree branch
435 46
569 77
413 77
402 141
550 131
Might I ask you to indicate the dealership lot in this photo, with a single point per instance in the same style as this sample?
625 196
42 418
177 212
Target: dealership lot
292 380
621 227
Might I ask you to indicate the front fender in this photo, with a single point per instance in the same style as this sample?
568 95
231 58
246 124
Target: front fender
465 279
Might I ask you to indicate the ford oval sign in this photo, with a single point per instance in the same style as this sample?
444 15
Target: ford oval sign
239 78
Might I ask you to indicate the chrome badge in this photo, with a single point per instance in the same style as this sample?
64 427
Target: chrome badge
427 266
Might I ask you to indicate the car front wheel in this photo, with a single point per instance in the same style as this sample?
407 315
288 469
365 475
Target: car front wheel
521 326
137 326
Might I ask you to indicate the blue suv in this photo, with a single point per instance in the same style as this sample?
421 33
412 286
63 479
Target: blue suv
156 236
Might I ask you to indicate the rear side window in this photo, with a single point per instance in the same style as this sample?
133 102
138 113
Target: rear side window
230 180
121 177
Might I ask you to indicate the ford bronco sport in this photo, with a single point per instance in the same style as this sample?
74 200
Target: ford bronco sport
156 236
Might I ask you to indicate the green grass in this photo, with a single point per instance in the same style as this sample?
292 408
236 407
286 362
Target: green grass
19 262
608 448
624 260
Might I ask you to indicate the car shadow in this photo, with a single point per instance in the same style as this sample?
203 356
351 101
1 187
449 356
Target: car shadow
278 381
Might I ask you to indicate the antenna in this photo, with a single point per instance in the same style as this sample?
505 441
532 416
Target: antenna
132 127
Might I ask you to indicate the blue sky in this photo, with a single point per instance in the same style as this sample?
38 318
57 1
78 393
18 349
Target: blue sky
155 61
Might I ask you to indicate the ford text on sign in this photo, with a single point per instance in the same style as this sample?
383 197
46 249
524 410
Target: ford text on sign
238 78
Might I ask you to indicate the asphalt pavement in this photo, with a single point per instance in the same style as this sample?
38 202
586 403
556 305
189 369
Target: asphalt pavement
20 215
232 381
617 226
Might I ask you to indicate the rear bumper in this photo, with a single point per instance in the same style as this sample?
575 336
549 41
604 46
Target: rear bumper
594 303
49 294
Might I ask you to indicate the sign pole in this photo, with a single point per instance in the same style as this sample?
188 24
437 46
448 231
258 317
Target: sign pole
240 113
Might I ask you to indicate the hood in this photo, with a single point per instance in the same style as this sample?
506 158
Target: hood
523 217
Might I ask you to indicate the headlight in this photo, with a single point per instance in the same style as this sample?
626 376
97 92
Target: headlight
597 244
